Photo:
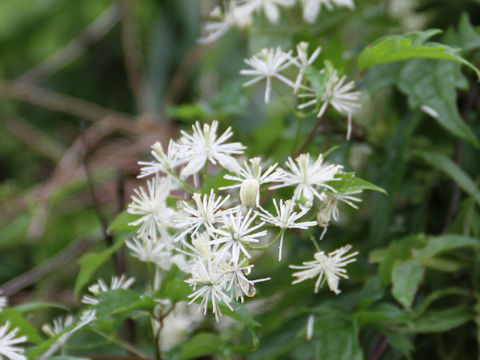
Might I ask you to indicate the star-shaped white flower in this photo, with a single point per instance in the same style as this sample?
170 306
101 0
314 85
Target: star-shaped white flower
237 233
286 218
267 65
150 204
308 177
204 145
8 342
303 61
328 268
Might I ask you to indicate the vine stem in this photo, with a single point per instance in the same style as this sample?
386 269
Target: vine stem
125 345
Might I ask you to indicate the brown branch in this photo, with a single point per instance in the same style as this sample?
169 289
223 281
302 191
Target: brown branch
56 262
34 138
58 60
311 136
57 102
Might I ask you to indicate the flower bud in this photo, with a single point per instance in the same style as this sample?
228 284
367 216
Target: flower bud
326 213
249 191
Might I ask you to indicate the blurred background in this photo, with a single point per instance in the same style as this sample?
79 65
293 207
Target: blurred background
87 86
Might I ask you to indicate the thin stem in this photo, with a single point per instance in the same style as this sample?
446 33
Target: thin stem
315 243
205 176
297 114
186 186
310 137
269 245
123 344
297 135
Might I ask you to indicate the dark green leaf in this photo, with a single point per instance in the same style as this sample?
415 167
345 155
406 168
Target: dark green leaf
16 320
449 168
121 301
442 320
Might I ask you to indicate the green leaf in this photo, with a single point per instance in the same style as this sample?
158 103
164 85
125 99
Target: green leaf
16 320
121 221
350 183
120 301
91 262
448 167
438 244
241 314
442 320
336 339
406 277
201 345
399 250
409 46
318 80
432 85
173 286
438 295
68 358
34 306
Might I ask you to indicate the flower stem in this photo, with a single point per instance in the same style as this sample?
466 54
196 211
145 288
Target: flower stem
269 245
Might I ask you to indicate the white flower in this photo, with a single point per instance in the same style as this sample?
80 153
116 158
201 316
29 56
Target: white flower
238 232
8 340
234 16
59 324
327 267
156 217
164 164
311 8
307 176
270 7
158 253
286 218
207 212
252 171
203 145
303 61
338 94
209 284
267 65
121 282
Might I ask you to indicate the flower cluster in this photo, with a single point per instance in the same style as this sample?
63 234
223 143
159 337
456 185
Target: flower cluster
239 13
328 90
213 233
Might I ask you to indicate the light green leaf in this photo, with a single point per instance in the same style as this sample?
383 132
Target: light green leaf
17 320
406 277
448 167
91 262
350 183
409 46
201 345
34 306
439 244
318 80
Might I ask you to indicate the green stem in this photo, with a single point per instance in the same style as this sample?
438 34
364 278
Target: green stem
297 135
315 243
205 176
123 344
186 186
269 245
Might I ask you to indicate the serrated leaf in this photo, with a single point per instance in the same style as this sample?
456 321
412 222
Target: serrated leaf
91 262
121 221
350 183
17 320
409 46
406 277
448 167
201 345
